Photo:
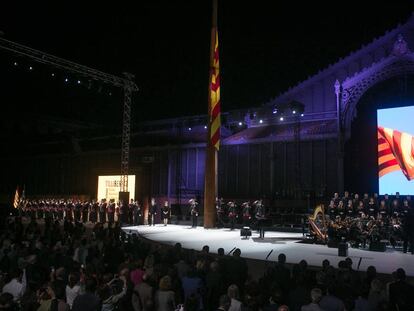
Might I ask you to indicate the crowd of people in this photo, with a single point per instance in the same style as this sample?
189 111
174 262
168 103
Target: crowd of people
47 266
371 219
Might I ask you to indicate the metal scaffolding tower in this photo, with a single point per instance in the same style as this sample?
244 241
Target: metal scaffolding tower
126 83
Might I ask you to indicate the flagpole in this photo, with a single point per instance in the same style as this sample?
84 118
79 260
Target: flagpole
210 186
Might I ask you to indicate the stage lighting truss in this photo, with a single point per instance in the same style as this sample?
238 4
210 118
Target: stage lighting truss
126 83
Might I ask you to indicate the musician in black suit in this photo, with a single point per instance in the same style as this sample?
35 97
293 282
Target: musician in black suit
408 230
260 217
194 212
220 212
152 212
232 209
137 213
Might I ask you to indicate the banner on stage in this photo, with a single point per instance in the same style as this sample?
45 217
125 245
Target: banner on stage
109 187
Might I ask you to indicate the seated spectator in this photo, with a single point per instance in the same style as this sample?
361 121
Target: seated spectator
233 293
142 296
165 297
17 285
401 292
88 301
316 295
330 302
72 289
56 298
224 303
108 295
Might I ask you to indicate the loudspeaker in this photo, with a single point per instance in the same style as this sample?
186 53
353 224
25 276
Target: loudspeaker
124 197
245 232
343 249
377 246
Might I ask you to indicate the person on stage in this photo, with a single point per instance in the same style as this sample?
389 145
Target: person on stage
194 211
111 211
137 213
152 212
247 216
85 211
165 213
102 211
93 214
260 217
232 209
69 211
220 212
131 207
77 211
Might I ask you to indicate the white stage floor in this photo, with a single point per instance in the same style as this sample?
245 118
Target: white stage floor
279 242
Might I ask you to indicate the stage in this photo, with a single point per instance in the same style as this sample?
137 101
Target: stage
279 242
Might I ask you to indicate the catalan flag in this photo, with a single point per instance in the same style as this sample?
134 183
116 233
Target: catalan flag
215 122
16 200
395 152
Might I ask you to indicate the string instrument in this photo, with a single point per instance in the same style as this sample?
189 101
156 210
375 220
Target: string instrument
317 222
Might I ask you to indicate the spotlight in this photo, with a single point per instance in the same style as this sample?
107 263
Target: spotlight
110 94
53 74
294 111
260 121
205 127
189 128
274 111
240 123
301 114
79 82
66 80
30 68
15 63
281 118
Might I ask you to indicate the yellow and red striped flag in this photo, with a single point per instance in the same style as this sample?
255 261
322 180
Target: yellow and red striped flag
16 198
215 122
395 152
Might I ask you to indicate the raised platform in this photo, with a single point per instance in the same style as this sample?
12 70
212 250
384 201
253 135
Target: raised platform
279 242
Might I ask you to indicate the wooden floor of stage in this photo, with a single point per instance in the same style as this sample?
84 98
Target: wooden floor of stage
274 242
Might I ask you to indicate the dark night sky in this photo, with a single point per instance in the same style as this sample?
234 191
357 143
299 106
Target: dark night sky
265 46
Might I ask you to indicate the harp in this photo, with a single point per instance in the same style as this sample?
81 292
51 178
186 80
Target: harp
317 223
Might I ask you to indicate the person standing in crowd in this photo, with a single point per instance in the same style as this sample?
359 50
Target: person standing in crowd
152 212
165 297
194 212
165 213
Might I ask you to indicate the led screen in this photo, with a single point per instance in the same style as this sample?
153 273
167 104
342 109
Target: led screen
395 130
109 187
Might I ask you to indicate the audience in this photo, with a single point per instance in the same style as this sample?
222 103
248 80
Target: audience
75 267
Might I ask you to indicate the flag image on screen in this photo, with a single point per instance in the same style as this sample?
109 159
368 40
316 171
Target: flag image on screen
395 133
